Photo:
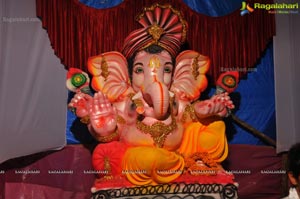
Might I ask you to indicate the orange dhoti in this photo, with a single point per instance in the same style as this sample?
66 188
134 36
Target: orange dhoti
152 165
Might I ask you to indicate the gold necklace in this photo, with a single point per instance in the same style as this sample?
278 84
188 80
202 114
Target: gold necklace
158 130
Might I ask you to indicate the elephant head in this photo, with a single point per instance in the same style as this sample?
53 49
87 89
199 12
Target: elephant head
158 74
155 78
151 79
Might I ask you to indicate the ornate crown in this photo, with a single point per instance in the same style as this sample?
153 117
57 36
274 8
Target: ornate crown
162 25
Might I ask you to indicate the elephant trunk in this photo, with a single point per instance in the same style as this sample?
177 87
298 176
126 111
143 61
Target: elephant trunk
157 96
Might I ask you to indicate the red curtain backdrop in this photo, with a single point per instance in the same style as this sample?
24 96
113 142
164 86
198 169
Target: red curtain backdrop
77 32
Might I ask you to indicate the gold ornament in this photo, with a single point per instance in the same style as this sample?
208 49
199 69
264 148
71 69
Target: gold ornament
85 119
195 67
110 137
208 166
155 31
189 111
104 68
154 63
107 168
120 120
158 131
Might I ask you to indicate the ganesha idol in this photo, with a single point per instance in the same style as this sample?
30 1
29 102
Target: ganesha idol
146 113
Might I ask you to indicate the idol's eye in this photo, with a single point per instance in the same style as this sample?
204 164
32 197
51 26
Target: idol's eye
138 70
168 69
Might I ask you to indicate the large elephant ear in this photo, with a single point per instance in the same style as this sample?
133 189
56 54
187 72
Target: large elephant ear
110 75
189 78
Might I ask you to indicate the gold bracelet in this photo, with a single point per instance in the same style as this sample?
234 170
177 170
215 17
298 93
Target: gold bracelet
85 119
109 138
120 120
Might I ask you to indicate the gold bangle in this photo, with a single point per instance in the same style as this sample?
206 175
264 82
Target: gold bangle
109 138
85 119
120 120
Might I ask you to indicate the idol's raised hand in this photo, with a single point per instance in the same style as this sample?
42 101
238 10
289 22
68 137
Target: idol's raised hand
103 116
219 104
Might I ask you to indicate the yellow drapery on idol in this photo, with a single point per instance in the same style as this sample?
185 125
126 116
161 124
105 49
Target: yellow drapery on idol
152 165
208 136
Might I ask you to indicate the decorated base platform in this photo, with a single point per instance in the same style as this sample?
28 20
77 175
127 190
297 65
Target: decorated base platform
172 191
219 186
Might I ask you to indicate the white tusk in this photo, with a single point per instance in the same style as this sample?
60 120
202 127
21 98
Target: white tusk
171 94
137 96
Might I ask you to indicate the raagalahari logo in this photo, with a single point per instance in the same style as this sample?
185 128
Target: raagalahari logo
246 9
279 8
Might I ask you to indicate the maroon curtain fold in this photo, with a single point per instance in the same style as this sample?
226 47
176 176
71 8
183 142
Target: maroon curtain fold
77 32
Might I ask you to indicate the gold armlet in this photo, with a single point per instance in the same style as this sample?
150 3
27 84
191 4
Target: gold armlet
189 111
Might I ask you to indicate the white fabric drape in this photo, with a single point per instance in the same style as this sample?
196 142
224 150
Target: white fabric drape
32 84
287 83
